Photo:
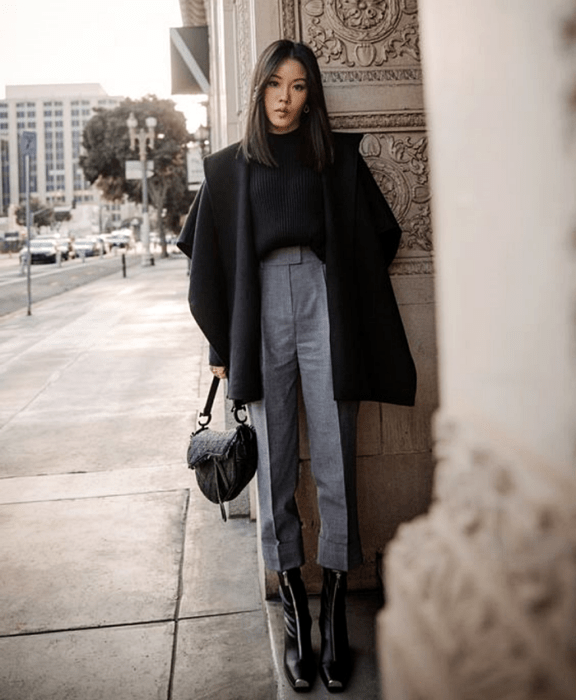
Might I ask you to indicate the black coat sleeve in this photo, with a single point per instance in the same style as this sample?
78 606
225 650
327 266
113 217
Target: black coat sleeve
373 212
207 292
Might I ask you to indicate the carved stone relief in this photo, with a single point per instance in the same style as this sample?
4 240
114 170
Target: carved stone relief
375 42
569 36
244 62
356 33
399 163
507 627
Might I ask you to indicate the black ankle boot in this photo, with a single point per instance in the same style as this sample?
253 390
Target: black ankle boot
335 660
299 664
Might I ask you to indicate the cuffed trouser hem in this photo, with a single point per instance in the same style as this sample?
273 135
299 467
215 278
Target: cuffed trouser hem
281 557
342 557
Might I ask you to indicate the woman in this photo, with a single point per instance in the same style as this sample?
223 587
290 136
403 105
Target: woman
290 239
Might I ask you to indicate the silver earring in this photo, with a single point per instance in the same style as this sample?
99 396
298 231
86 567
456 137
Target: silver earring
306 109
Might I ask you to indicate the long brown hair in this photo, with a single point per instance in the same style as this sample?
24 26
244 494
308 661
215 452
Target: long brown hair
318 148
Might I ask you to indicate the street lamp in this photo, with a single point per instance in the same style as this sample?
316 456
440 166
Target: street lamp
202 137
143 137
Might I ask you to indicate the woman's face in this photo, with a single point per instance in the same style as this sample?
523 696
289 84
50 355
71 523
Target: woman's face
285 96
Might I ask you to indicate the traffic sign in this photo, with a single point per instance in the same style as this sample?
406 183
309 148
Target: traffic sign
134 169
28 143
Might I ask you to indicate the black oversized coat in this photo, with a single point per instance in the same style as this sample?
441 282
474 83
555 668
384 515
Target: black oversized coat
371 358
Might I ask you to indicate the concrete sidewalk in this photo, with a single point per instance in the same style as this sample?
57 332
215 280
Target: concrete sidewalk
118 580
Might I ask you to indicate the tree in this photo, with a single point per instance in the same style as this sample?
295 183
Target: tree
106 145
40 213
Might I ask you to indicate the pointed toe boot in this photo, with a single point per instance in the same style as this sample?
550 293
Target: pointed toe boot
335 659
299 666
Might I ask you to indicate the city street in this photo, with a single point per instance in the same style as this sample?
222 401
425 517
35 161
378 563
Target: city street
48 280
118 579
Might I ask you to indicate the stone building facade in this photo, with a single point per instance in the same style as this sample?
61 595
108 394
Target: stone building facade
57 114
480 576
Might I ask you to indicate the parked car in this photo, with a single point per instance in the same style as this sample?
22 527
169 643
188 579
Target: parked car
120 239
87 247
41 250
64 245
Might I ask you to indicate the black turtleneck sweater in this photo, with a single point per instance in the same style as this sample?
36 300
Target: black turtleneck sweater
287 203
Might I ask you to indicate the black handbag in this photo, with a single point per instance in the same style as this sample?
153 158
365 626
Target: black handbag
224 461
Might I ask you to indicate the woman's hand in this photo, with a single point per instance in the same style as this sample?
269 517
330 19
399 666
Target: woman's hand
219 372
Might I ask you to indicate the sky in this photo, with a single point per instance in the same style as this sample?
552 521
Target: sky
121 44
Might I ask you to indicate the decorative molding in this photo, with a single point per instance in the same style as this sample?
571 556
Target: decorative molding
288 13
402 267
379 121
244 57
569 40
355 33
490 572
399 164
373 75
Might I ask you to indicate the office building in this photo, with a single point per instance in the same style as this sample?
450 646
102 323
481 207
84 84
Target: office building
57 114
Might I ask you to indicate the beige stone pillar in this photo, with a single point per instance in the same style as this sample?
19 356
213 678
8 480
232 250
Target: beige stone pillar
369 55
482 591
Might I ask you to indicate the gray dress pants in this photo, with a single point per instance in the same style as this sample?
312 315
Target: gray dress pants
295 341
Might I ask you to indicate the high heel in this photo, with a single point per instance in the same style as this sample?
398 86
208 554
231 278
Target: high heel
335 660
299 665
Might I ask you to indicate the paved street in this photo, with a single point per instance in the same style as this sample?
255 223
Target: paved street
48 280
119 581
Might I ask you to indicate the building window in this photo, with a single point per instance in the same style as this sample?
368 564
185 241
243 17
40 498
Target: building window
59 124
31 125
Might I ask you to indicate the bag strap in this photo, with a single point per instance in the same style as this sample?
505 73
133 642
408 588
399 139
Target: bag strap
206 413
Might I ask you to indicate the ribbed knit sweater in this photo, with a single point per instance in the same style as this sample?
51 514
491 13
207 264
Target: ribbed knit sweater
286 202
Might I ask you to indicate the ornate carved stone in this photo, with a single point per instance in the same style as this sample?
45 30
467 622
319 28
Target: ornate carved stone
412 266
399 163
289 20
356 33
244 62
379 121
374 75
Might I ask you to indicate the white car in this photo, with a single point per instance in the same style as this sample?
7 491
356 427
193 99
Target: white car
41 250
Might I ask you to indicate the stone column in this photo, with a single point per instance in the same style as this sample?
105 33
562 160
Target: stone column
369 54
482 590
